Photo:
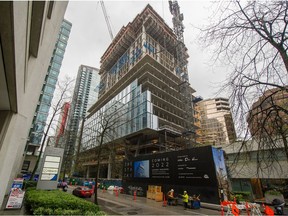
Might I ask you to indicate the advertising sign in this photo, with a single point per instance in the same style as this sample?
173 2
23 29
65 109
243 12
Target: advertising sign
196 170
195 165
16 195
50 168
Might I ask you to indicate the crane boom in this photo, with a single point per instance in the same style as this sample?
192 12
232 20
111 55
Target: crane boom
106 19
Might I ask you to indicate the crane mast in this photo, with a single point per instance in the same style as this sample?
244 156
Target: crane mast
182 71
178 28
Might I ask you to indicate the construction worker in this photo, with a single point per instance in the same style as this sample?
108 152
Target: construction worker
170 196
185 197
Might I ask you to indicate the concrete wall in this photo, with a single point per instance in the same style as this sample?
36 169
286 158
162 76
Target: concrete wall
29 73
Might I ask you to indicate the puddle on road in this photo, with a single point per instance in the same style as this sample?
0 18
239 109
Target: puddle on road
132 213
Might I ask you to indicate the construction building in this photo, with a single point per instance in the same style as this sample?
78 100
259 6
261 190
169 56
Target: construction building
85 94
145 100
216 123
45 98
28 32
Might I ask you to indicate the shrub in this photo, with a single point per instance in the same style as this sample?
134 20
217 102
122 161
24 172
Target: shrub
57 202
273 192
29 184
242 196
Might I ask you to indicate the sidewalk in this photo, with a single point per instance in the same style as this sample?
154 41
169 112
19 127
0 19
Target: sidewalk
124 204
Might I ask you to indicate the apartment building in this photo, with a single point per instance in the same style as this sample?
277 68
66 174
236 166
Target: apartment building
85 94
42 110
143 95
28 31
216 123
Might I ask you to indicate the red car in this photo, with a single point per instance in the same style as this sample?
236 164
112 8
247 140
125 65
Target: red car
83 191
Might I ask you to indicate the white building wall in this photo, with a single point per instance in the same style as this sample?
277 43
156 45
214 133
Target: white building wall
30 74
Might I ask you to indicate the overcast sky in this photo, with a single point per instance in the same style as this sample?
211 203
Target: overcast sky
90 37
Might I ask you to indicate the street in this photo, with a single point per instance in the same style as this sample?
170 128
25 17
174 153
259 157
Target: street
124 204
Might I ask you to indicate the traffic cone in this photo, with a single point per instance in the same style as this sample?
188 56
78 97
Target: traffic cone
222 209
134 198
164 202
247 209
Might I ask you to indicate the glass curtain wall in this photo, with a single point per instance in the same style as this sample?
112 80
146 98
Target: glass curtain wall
128 112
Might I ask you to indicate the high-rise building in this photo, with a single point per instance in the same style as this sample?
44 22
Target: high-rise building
42 110
28 32
216 123
62 122
141 105
85 94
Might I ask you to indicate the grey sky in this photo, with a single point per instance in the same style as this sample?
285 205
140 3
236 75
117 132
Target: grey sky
90 37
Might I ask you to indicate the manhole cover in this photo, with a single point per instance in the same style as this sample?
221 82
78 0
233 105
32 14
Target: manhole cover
132 213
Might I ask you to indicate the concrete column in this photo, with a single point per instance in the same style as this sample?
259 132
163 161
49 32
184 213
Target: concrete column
88 172
109 167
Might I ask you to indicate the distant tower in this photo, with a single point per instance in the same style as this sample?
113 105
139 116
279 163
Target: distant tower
216 123
44 103
84 96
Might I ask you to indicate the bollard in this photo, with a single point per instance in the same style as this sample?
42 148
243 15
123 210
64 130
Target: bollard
134 198
116 193
247 209
222 209
164 202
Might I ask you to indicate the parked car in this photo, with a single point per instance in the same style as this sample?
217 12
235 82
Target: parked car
113 188
82 191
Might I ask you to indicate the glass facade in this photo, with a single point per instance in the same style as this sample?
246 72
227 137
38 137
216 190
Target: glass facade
42 110
84 96
129 111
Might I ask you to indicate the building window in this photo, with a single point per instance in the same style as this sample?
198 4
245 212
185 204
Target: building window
26 165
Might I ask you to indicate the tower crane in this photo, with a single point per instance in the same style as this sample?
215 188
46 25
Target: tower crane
181 69
106 19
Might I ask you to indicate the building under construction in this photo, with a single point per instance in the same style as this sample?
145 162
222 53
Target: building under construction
145 101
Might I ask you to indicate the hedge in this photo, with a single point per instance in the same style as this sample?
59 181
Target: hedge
242 196
57 202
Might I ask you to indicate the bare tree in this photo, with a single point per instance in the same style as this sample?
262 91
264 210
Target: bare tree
100 137
251 38
63 95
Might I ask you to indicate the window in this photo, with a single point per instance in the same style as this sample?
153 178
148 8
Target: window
56 65
51 81
58 59
54 72
26 165
44 108
49 89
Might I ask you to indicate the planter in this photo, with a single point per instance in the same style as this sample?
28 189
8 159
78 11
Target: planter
269 197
